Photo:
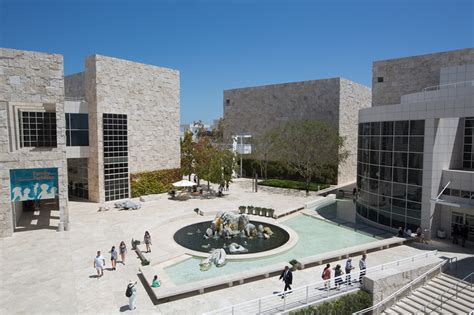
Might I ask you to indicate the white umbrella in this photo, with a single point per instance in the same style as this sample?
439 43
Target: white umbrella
184 183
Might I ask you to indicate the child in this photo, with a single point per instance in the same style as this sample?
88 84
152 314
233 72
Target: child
155 283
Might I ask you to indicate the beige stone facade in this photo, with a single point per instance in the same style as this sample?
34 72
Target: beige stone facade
29 81
396 77
256 110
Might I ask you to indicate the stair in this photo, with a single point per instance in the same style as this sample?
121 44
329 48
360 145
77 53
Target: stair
429 295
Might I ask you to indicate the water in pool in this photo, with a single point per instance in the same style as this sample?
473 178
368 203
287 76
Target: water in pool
314 237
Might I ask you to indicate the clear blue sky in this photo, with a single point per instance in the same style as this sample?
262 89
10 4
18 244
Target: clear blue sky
218 45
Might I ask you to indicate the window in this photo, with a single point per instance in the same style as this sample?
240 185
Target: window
380 79
468 156
227 101
77 130
38 129
115 156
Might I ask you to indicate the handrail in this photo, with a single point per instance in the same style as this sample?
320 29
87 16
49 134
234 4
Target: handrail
438 87
304 291
447 290
409 285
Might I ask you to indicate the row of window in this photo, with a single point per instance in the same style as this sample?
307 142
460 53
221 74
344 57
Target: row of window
38 129
458 193
391 174
397 159
390 128
389 143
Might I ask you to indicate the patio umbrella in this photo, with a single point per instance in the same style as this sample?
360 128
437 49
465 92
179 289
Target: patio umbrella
184 183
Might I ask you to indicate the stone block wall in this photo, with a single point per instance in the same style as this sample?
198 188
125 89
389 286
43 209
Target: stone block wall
149 95
353 97
412 74
34 80
74 85
256 110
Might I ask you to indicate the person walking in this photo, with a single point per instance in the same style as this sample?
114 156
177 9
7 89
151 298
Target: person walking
131 293
147 241
113 257
362 267
123 251
348 268
99 264
455 234
464 232
327 276
227 186
338 276
287 277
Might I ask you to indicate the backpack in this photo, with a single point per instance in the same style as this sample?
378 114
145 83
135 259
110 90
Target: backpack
128 292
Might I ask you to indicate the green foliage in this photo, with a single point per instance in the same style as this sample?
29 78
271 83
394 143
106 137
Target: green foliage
346 304
187 154
284 183
154 182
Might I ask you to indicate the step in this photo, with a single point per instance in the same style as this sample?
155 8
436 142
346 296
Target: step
450 281
450 305
415 302
435 291
398 309
390 311
428 299
407 307
451 278
439 289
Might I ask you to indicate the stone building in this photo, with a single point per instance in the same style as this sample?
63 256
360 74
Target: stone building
415 156
255 110
79 136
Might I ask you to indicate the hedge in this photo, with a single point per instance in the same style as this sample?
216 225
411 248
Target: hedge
154 182
279 170
346 304
284 183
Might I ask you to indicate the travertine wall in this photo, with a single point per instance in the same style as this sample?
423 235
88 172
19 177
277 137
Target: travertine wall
149 95
30 79
412 74
74 85
353 97
256 110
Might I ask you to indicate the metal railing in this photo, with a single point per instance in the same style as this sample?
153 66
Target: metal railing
311 293
442 298
455 84
405 290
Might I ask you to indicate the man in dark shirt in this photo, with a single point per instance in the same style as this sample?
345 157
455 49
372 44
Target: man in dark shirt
287 277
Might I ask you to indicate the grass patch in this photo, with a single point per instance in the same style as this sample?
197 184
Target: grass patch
346 304
292 184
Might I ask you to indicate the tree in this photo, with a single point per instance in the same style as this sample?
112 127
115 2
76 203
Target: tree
262 149
311 148
217 134
187 154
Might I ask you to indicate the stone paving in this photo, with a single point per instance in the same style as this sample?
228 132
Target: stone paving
46 272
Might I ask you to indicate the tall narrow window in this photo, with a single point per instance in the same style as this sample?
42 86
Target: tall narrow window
77 130
115 156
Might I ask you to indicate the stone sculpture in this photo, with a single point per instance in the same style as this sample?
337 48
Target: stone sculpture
236 248
217 257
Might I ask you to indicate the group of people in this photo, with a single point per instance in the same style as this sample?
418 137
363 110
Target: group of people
99 261
460 233
408 233
99 265
287 276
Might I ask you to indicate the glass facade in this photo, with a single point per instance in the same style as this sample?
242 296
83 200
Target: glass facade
77 129
78 178
115 156
390 172
468 156
38 129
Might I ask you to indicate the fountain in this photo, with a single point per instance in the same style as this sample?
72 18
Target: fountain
234 233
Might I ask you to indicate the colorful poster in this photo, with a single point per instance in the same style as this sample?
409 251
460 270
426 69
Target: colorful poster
34 184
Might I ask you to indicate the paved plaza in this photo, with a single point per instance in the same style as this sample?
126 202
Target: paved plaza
46 272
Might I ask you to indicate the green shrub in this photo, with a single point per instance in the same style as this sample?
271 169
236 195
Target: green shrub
155 182
285 183
346 304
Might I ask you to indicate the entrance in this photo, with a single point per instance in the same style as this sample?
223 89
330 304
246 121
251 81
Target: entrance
459 219
34 198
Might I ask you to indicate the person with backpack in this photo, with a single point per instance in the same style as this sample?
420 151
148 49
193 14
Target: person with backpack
131 293
326 275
